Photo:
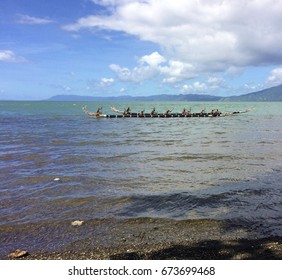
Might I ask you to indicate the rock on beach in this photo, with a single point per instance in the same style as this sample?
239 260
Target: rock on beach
18 254
77 223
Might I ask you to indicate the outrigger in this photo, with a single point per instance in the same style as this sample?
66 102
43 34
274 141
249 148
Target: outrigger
154 114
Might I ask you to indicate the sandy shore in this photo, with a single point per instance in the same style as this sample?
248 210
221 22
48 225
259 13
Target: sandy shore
146 238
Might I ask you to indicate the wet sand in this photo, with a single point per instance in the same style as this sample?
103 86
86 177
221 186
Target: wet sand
143 238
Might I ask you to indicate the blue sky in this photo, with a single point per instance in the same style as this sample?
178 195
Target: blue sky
138 47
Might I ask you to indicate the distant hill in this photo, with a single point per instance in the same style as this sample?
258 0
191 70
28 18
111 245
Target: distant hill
161 97
273 94
267 95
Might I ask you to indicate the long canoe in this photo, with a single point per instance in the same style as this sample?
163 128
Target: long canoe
171 115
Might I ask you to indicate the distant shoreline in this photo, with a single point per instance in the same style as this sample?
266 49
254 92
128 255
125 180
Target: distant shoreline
273 94
136 101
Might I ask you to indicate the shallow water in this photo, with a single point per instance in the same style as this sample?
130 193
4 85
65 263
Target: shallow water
198 168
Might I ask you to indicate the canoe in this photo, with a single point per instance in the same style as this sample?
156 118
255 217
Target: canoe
121 114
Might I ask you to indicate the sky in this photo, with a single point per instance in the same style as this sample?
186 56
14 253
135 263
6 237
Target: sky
138 47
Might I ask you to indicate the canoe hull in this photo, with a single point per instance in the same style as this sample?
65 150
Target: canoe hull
170 115
194 115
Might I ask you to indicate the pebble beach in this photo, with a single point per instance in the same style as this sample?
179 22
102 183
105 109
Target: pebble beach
153 239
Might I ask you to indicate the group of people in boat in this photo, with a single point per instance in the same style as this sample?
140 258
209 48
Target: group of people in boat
127 111
215 112
141 113
186 113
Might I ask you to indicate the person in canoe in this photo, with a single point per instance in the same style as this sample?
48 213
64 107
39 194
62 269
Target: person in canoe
141 114
127 111
153 112
98 112
215 113
167 113
185 113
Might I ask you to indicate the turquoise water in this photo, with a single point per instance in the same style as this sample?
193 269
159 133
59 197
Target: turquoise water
225 168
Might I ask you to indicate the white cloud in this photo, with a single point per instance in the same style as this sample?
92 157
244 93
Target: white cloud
176 71
275 77
110 2
10 56
210 86
63 87
211 36
194 88
155 65
106 82
216 82
26 19
247 88
154 59
137 74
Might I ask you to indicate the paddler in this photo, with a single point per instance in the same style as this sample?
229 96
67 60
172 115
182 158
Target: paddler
141 114
153 112
127 111
215 112
98 112
185 113
167 112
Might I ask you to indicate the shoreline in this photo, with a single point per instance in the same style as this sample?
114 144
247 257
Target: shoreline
142 239
242 249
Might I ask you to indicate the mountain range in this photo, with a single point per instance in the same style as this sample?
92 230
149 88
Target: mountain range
273 94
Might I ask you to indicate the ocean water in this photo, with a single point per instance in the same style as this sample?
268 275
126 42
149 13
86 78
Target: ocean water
225 168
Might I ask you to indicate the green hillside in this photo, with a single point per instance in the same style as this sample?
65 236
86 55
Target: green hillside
273 94
267 95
